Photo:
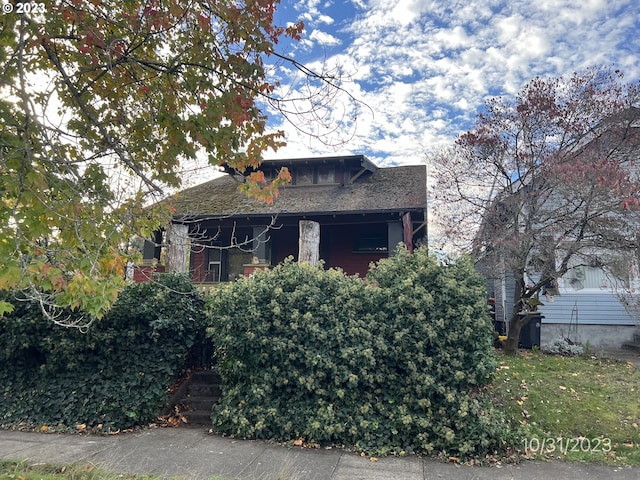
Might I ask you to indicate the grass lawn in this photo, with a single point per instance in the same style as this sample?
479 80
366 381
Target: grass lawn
24 471
10 470
573 408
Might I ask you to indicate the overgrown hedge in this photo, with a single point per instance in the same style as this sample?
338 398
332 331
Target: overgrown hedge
388 364
115 375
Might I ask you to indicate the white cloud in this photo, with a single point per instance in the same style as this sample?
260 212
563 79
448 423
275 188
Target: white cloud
577 12
454 38
324 38
311 14
424 67
508 28
408 11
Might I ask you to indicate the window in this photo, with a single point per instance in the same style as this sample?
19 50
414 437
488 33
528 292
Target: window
374 242
326 175
584 276
304 176
212 273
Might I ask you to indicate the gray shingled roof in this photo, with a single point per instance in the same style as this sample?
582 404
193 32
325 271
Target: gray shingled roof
387 189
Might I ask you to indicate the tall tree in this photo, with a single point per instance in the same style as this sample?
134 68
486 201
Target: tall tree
101 102
546 181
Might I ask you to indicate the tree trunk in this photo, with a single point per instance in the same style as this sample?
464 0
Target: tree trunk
516 322
513 337
309 243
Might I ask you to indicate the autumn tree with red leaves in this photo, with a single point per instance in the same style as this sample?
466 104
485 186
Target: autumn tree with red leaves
546 181
102 102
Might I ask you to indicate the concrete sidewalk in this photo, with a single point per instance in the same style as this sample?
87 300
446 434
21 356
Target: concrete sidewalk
190 453
621 355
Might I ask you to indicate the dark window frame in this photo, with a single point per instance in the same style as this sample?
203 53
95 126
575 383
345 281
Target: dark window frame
371 243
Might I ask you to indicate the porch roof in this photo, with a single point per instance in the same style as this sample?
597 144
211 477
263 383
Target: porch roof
390 189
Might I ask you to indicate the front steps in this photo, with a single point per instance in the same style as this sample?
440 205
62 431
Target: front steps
202 392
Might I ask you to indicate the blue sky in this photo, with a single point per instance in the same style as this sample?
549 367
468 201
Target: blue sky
422 69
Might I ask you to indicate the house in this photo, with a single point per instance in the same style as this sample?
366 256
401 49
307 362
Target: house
577 238
587 308
218 234
584 307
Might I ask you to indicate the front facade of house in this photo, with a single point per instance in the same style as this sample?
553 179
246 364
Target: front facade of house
219 234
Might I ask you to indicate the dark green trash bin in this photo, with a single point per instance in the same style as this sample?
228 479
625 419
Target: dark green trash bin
530 333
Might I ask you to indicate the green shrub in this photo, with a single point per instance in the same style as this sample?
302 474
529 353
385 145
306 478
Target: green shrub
390 364
116 374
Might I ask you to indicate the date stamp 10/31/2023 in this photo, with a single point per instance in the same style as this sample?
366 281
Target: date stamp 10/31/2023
23 7
566 445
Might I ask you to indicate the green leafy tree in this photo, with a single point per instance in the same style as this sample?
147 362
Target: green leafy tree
102 102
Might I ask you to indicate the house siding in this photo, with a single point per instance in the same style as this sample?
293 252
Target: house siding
340 248
586 308
509 294
353 263
144 273
592 316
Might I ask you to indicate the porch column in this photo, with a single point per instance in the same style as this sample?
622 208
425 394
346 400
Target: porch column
407 227
177 260
309 242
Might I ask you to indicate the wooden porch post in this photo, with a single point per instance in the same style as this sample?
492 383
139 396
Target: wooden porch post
407 227
309 242
177 260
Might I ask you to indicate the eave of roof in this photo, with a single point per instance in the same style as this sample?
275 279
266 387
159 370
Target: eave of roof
385 190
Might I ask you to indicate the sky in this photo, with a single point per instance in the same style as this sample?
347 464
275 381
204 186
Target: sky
421 70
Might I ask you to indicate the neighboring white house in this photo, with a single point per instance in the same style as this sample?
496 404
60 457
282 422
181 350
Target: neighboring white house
587 303
587 308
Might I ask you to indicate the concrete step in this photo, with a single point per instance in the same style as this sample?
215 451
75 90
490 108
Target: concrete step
197 410
199 403
205 390
197 396
206 377
203 393
198 418
634 347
